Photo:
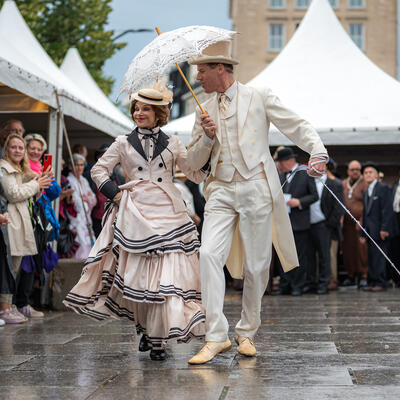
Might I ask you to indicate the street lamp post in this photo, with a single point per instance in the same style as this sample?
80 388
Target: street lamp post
132 31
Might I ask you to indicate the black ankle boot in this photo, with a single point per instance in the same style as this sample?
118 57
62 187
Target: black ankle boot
158 354
144 345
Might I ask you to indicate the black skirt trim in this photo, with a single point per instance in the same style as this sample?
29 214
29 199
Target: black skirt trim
149 296
155 241
182 335
141 296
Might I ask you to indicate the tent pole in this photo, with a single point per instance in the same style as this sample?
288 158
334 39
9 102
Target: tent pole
55 149
55 141
64 129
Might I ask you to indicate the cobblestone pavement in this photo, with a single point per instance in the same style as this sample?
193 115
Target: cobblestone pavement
345 345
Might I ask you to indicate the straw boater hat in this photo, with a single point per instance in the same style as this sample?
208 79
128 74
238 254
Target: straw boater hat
220 52
156 94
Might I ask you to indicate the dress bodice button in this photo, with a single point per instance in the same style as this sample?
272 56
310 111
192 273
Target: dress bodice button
159 179
161 165
140 168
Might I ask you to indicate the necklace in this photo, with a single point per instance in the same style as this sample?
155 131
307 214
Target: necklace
352 187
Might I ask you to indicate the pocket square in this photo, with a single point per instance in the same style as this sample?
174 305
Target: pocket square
375 198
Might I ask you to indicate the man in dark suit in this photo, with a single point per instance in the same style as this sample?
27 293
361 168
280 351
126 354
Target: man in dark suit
325 216
378 218
300 191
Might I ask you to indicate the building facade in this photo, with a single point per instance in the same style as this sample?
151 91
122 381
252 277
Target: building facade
265 27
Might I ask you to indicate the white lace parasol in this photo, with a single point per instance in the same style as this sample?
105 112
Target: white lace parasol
167 49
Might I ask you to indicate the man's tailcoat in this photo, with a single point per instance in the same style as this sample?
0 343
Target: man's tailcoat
256 110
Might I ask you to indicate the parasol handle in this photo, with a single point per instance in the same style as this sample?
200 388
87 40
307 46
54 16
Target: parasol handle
184 78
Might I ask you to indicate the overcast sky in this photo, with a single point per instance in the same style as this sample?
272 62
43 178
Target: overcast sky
167 15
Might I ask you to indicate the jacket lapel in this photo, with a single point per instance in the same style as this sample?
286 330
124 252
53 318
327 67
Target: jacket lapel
325 193
244 98
162 143
133 139
371 199
212 109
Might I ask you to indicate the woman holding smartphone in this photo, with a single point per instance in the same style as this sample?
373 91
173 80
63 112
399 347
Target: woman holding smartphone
35 147
19 183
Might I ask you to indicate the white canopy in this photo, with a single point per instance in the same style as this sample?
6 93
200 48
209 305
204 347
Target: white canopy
74 68
26 67
323 76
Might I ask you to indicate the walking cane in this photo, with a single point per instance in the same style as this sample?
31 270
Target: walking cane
88 224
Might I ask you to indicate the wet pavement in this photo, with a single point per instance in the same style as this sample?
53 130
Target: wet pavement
345 345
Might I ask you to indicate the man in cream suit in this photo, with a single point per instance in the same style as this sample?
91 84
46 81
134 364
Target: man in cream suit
245 211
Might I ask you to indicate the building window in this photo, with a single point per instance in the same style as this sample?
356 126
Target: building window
302 3
277 4
334 3
356 32
276 37
356 3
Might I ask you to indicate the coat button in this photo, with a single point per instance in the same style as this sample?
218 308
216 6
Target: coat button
140 179
161 165
159 179
140 168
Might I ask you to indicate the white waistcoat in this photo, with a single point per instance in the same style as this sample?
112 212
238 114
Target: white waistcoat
231 163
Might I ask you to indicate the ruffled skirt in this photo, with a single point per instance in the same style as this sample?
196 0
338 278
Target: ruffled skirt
144 267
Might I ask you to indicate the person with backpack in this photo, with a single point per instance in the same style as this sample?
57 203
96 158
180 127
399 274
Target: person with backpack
19 184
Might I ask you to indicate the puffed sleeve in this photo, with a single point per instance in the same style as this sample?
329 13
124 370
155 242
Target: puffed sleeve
100 172
182 162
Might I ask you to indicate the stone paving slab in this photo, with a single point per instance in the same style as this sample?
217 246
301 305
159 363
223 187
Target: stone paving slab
60 349
8 362
55 378
19 392
342 346
314 392
35 338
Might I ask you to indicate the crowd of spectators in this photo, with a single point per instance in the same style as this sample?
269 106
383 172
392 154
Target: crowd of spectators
29 228
323 231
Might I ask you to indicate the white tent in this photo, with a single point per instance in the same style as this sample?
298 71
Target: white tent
323 76
75 69
27 68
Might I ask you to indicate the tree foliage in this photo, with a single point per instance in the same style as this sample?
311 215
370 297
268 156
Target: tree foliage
61 24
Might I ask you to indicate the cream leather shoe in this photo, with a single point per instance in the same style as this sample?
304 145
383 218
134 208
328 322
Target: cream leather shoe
209 351
246 346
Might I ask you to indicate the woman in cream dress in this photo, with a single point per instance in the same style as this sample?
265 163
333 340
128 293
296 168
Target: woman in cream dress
144 265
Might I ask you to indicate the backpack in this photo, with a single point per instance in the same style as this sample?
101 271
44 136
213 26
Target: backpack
42 230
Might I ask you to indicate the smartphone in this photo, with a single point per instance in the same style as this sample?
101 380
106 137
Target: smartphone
47 159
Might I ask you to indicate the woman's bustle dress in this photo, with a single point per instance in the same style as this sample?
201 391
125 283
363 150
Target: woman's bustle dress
144 265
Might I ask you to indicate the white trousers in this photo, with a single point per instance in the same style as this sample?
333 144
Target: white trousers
249 204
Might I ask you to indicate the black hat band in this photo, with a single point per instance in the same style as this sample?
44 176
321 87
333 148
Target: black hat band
148 98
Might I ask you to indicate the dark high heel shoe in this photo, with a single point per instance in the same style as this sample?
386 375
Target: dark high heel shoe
144 345
158 355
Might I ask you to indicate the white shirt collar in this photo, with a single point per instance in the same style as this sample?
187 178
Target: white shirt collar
230 92
371 187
